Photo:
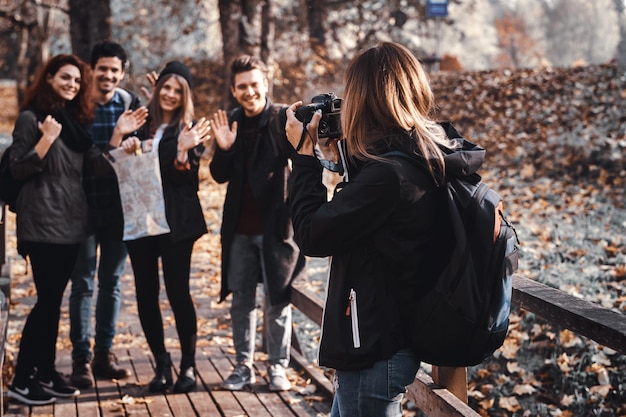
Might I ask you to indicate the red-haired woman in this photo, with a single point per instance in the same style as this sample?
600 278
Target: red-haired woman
51 142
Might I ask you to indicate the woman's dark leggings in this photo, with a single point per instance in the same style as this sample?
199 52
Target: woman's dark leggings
52 266
176 260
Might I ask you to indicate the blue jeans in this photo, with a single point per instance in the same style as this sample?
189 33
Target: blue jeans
376 391
112 259
245 267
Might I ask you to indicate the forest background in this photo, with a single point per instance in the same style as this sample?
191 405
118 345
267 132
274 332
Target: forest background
307 42
541 84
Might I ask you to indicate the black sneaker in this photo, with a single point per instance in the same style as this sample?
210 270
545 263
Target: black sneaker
30 393
57 386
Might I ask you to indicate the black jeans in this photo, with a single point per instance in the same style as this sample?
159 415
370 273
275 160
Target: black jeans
176 260
52 266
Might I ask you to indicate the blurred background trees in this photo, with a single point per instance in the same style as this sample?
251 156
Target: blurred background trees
314 36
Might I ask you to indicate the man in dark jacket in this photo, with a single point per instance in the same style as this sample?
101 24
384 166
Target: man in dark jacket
257 236
118 113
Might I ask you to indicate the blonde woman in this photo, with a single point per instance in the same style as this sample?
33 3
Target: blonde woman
170 131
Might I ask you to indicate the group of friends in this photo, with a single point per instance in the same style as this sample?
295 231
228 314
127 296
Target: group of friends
70 220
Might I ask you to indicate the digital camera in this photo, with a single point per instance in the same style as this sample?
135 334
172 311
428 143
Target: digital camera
330 123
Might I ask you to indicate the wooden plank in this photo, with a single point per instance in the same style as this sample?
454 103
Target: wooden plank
274 404
605 326
42 411
203 403
179 403
225 400
65 407
316 375
15 408
156 402
109 398
131 392
452 379
307 302
435 401
284 403
86 408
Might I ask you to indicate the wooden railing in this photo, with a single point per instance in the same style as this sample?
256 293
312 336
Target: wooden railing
444 392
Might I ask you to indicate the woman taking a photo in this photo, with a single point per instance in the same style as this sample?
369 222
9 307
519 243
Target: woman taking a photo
50 144
171 133
377 227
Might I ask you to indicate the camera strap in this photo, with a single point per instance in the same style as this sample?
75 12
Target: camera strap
304 133
332 166
325 163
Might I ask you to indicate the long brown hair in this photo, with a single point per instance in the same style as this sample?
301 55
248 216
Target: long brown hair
387 90
183 115
42 97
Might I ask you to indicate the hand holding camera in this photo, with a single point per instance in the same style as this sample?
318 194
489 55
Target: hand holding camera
321 122
302 138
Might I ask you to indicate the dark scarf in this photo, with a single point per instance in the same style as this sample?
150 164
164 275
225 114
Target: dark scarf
73 134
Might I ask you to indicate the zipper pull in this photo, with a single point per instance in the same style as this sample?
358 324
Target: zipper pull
350 299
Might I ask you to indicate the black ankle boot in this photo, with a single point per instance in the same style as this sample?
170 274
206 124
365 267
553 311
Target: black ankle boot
163 377
187 378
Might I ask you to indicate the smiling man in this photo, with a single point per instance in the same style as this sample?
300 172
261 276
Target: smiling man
257 236
118 114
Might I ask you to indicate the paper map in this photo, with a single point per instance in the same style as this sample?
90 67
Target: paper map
141 192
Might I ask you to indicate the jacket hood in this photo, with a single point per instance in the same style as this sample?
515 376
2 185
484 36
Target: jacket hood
466 159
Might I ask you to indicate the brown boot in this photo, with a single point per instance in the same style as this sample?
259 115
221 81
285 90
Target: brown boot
81 374
105 366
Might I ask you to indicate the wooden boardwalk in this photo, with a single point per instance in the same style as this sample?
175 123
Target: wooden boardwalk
214 357
131 398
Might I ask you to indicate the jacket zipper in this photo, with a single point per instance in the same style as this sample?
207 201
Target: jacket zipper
354 317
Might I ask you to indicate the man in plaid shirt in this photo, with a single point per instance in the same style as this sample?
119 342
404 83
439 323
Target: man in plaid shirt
118 114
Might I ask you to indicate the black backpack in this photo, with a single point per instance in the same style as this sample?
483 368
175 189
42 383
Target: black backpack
9 186
462 317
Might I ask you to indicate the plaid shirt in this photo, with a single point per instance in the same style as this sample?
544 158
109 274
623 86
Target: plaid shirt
105 120
102 191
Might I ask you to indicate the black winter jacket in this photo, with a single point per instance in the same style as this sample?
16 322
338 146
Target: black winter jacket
268 175
51 206
183 210
377 229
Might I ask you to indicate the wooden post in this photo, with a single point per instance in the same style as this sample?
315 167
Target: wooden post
453 379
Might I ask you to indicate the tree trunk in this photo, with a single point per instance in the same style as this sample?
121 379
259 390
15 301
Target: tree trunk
90 23
317 16
31 43
229 12
267 39
247 28
250 27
